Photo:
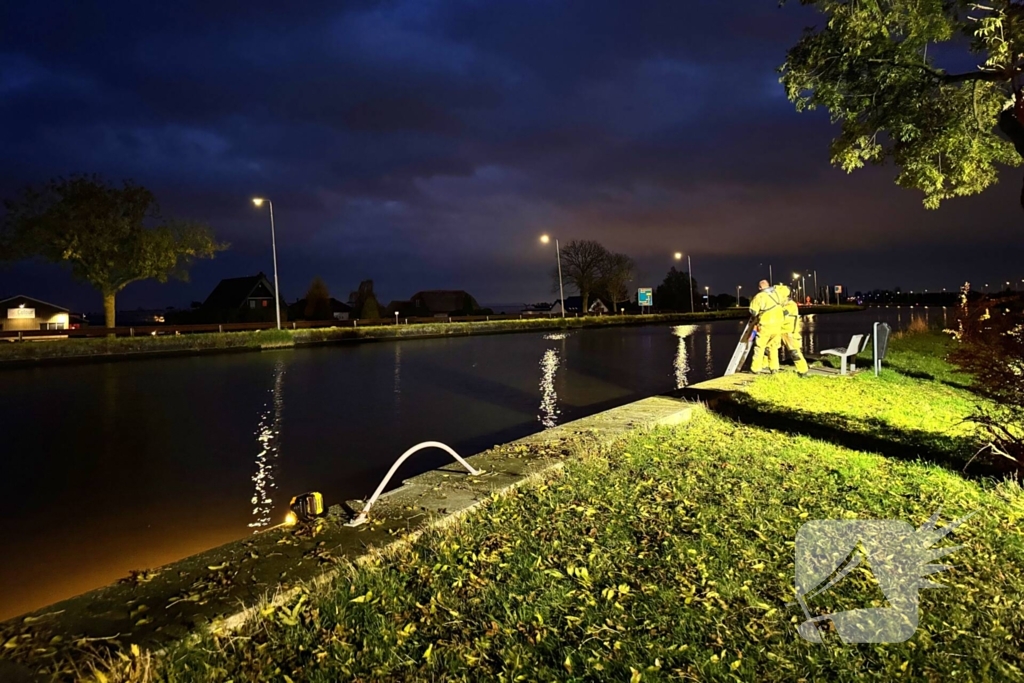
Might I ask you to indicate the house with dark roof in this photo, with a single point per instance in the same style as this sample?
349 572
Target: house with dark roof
22 313
240 299
541 308
443 302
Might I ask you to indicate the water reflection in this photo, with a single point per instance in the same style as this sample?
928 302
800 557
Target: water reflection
268 438
810 324
682 360
709 361
549 399
397 388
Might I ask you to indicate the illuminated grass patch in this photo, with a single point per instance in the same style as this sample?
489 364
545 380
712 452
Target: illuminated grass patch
671 556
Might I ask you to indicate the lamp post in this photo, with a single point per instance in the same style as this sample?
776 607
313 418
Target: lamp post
558 255
707 295
258 201
796 283
738 288
817 292
689 268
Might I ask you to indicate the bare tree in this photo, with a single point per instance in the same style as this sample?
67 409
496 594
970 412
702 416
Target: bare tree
619 271
584 264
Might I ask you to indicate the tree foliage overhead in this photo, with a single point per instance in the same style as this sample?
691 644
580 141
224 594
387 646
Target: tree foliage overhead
109 236
884 70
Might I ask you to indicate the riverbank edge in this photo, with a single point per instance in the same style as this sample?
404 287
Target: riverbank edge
242 342
221 588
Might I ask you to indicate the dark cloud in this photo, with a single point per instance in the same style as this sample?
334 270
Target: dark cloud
427 144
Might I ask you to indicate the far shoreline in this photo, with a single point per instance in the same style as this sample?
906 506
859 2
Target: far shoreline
26 354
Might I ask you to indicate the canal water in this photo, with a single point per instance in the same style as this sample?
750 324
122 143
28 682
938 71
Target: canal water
112 467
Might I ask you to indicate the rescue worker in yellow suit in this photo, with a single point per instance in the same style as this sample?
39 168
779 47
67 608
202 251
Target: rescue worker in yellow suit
792 330
766 310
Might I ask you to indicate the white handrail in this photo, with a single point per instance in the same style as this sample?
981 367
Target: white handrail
362 516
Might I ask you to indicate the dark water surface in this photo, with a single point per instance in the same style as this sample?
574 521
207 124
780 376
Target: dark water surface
112 467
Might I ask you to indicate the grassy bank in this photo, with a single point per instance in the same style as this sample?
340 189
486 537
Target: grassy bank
18 353
670 556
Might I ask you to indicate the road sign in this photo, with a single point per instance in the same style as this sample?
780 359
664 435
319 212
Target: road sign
839 289
645 296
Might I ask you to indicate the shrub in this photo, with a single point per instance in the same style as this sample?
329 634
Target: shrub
990 347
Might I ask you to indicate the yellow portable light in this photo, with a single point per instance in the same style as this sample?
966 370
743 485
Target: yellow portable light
307 506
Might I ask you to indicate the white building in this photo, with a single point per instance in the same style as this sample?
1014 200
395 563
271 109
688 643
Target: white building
23 313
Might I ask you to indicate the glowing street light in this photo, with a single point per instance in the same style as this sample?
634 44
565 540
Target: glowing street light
258 201
738 288
689 268
558 256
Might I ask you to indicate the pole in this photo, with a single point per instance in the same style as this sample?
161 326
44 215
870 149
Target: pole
690 268
273 245
817 292
561 292
874 348
737 296
770 278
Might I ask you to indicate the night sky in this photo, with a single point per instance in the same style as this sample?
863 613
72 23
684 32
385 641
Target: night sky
427 145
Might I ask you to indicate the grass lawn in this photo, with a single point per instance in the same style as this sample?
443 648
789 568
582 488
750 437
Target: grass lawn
669 557
915 408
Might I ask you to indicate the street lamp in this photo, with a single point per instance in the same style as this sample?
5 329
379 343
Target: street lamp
738 288
258 201
707 295
558 255
689 268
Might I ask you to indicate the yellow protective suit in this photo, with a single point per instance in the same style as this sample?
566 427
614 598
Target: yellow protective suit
766 309
792 330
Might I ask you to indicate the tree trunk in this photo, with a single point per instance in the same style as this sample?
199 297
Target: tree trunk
109 310
585 295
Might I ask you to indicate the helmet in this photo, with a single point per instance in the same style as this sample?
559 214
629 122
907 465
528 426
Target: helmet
783 291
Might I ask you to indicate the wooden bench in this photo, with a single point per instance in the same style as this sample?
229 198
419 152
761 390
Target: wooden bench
858 343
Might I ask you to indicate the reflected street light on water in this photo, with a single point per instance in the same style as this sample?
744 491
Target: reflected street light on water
558 256
258 201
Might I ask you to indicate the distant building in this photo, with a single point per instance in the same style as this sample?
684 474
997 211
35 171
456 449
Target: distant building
505 309
23 313
443 302
339 310
537 309
240 299
574 306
